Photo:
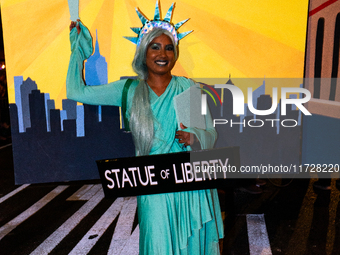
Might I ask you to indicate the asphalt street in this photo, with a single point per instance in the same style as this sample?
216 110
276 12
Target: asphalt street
289 217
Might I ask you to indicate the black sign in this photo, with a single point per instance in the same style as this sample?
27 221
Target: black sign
172 172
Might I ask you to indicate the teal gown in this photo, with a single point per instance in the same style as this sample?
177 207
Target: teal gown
172 223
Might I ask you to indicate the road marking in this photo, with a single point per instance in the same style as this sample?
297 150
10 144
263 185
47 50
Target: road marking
98 229
57 236
257 235
5 146
4 230
78 194
96 188
132 244
123 228
2 199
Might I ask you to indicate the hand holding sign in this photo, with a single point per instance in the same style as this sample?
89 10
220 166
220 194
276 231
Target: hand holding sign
185 137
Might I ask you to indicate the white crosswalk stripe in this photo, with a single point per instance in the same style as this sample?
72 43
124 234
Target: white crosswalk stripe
80 193
17 190
132 244
53 240
123 228
4 230
86 243
125 239
257 235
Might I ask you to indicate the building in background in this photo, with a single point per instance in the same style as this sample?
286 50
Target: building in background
321 131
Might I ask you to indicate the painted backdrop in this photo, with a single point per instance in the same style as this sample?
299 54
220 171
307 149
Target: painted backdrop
55 139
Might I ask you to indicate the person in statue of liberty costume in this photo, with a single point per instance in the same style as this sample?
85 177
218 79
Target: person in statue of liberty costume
172 223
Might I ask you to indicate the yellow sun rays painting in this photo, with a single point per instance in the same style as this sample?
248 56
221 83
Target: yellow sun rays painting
250 38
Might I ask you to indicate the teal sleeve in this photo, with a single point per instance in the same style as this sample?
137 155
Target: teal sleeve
81 49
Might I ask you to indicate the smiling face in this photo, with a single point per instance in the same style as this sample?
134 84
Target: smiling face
160 56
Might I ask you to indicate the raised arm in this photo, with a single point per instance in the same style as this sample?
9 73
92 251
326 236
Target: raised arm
81 49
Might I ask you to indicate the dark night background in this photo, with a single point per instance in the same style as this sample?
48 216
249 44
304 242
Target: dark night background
5 137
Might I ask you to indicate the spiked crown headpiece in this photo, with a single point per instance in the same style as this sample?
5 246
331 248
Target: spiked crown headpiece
148 25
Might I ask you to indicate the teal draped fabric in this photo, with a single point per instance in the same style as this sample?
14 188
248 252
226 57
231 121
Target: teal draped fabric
171 223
